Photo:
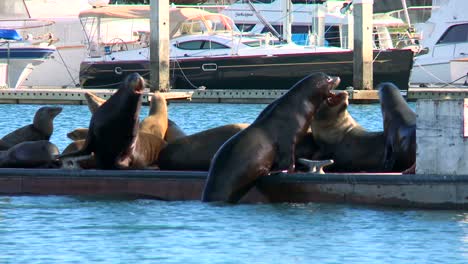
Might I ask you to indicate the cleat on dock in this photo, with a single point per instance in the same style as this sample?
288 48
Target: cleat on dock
315 166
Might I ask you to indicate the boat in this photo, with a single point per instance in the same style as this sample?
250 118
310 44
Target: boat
208 52
19 56
66 30
443 59
309 15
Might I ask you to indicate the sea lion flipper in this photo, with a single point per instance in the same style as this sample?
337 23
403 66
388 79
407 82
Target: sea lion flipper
316 166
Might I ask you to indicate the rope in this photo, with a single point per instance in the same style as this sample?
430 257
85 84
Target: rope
66 67
463 76
183 74
445 84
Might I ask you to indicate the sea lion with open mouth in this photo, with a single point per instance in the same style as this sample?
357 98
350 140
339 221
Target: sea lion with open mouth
340 138
113 128
268 144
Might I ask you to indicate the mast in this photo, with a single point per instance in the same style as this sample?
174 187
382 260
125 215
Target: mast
405 8
286 7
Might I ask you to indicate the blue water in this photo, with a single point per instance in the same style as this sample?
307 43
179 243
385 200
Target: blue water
65 229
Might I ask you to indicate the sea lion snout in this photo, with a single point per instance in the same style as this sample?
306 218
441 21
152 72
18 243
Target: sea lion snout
136 82
333 81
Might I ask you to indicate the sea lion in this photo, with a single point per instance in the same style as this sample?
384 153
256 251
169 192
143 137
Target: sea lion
156 122
78 133
173 131
399 122
146 153
4 145
41 128
147 149
74 146
93 101
29 154
268 144
340 138
195 152
113 127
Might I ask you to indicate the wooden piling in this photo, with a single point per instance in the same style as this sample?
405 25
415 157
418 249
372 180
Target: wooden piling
363 49
159 45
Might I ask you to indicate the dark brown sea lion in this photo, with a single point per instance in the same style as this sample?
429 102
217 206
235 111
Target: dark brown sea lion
340 138
29 154
78 134
4 145
195 152
173 131
41 128
399 122
113 127
156 121
268 144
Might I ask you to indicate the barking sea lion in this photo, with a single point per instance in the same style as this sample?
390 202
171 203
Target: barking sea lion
268 144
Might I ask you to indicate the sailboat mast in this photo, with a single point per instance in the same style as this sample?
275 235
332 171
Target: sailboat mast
286 7
405 9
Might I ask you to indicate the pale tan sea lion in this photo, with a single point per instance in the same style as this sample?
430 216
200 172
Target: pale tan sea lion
156 122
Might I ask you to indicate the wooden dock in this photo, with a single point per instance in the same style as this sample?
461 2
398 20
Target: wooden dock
396 190
69 96
40 95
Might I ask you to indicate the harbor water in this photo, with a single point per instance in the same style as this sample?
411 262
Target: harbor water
75 229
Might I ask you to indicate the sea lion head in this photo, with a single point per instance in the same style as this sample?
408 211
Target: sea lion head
44 117
332 119
134 83
322 84
158 104
93 101
389 95
335 106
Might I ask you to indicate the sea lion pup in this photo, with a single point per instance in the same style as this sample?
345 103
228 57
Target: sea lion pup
93 101
41 128
156 121
340 138
78 134
29 154
173 131
268 144
399 122
195 152
113 127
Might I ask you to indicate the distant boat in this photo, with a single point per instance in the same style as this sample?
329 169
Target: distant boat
444 55
208 51
19 56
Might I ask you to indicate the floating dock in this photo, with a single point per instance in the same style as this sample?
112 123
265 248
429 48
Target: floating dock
396 190
68 96
75 96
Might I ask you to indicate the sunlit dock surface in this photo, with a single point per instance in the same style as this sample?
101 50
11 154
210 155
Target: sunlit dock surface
386 189
56 95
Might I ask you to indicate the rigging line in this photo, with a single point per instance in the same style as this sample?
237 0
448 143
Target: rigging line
428 72
376 56
66 67
463 76
183 74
